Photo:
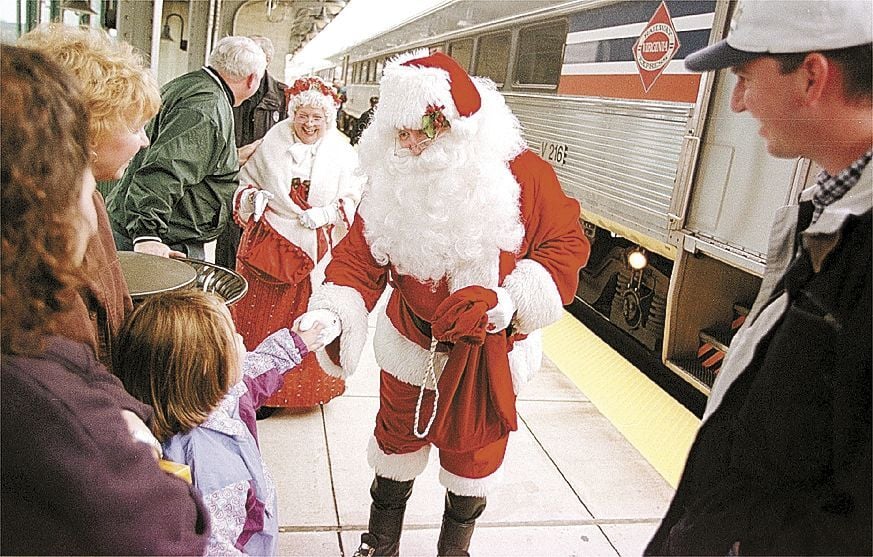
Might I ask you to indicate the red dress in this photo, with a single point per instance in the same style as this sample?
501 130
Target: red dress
279 289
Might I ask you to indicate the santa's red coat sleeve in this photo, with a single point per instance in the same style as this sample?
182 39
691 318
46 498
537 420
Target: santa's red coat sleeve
352 286
543 280
554 248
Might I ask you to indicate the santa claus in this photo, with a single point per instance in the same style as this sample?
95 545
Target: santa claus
482 249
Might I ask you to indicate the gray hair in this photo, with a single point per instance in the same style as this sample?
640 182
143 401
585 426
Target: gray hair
238 57
266 45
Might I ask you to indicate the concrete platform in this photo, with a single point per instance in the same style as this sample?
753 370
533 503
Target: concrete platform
573 484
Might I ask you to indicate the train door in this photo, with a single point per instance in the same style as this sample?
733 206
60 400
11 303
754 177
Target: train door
723 227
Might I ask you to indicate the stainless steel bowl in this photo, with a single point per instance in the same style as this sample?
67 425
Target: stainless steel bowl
228 284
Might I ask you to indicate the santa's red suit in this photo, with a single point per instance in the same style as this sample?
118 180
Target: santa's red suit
482 249
543 279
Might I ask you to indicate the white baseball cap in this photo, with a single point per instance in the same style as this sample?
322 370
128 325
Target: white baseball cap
761 27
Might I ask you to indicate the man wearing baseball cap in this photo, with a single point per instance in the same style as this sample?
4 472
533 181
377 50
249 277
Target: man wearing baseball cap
782 462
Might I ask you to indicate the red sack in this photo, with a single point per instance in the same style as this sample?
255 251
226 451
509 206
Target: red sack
269 254
476 399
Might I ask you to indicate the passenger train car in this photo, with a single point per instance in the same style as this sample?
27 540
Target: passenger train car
677 209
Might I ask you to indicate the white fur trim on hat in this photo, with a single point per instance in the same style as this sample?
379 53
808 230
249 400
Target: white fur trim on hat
405 92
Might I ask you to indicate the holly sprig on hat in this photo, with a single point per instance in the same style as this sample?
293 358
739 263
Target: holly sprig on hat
312 84
434 121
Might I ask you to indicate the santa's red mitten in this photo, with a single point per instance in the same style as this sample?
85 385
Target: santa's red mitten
463 316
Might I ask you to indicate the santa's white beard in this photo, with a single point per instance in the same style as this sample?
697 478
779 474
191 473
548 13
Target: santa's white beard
445 213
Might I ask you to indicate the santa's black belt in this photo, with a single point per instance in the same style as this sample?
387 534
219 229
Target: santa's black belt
425 329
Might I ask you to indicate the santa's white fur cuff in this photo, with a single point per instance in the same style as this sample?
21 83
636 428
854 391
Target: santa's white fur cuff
349 306
471 487
535 294
397 467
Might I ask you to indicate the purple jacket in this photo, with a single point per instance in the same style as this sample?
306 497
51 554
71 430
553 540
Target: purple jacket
225 460
73 481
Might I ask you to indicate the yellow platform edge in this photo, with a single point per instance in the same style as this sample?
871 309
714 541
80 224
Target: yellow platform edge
660 428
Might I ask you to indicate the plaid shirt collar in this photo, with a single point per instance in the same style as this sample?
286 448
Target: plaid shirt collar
832 188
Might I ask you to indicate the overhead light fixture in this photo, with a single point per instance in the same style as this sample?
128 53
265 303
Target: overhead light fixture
80 6
166 33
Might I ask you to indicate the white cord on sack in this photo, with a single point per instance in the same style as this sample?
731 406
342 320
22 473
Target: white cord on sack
429 373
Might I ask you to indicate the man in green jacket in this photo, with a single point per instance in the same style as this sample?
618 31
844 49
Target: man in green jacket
252 120
174 195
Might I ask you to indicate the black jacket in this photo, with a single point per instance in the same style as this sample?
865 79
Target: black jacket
361 125
260 112
782 465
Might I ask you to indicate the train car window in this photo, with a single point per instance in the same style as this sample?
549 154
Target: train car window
540 49
365 71
354 75
436 48
462 51
493 56
380 63
373 71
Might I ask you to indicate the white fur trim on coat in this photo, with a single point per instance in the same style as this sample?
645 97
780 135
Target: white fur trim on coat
535 295
407 361
471 487
349 306
525 359
401 357
333 177
397 467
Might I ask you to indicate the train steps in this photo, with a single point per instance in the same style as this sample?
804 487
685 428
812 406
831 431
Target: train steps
712 347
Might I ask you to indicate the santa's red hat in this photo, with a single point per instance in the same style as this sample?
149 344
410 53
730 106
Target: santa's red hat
416 83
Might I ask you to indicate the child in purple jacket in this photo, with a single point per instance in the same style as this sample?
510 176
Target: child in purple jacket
180 352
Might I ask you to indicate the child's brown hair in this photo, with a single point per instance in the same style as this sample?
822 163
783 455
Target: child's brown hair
177 352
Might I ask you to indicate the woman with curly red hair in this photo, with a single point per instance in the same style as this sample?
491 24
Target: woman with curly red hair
77 471
297 198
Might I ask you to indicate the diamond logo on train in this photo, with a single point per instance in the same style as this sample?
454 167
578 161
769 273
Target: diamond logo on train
656 46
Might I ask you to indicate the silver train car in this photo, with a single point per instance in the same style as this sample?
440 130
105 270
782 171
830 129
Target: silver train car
677 193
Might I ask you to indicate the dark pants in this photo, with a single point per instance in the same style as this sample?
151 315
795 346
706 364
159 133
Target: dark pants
228 243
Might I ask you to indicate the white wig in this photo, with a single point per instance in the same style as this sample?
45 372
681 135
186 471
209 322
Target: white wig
313 91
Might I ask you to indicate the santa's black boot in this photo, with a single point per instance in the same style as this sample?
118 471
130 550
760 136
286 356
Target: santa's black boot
459 520
386 518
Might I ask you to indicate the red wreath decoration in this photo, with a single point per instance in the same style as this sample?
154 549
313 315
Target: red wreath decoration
311 84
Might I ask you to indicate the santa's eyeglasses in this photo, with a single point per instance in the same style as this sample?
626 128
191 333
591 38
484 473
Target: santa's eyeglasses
404 136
